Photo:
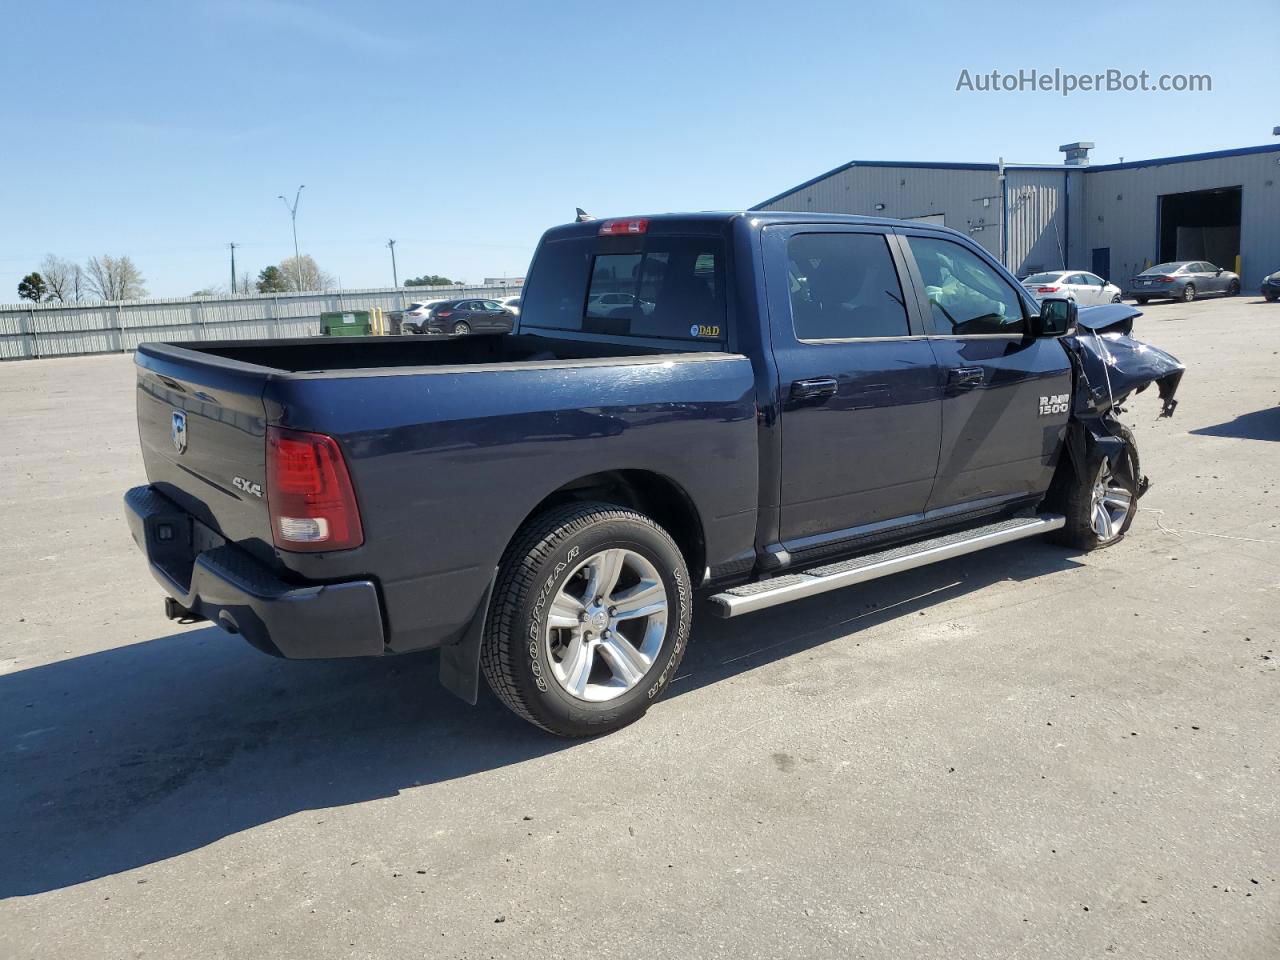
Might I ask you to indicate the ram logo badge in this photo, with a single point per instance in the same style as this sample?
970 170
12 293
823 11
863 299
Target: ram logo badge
248 486
1055 404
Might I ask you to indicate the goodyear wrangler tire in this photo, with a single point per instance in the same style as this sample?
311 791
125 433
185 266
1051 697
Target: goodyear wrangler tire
589 619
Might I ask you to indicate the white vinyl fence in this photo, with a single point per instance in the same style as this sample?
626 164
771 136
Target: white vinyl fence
67 329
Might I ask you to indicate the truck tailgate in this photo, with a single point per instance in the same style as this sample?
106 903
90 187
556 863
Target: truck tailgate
202 428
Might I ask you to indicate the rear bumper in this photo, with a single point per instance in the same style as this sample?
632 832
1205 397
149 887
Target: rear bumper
220 582
1155 293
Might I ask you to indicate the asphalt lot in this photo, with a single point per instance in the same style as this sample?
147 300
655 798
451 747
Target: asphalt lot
1023 752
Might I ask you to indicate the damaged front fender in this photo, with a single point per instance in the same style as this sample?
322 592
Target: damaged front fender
1110 365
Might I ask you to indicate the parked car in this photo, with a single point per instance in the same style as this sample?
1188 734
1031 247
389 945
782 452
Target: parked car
1086 289
1271 286
468 315
1182 280
415 315
512 304
542 506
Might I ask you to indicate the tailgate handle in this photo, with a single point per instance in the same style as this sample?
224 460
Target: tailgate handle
811 389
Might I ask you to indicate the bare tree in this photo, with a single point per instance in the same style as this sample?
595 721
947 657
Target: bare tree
301 273
60 277
114 278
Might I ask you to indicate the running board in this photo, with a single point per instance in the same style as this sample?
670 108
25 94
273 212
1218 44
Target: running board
795 586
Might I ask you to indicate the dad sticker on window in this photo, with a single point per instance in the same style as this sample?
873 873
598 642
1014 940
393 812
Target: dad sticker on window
702 330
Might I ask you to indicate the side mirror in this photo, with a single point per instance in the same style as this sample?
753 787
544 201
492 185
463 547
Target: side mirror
1219 273
1057 318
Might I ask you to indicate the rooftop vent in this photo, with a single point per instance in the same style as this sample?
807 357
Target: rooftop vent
1077 153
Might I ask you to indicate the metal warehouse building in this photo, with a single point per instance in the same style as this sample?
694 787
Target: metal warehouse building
1113 219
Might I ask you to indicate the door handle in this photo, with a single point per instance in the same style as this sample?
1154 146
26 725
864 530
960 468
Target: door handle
812 389
964 378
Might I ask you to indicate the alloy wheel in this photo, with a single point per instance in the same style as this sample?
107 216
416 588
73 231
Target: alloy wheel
1109 505
606 625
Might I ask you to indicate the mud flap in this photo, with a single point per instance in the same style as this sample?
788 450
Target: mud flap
460 661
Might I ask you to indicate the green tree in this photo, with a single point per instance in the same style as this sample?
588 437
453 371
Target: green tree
31 287
271 280
430 280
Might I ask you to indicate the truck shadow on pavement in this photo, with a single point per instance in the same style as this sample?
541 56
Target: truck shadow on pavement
1255 425
130 756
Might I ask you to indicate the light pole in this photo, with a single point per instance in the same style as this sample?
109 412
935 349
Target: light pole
395 277
233 268
293 216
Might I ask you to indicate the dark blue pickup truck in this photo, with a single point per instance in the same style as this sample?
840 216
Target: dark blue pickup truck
756 407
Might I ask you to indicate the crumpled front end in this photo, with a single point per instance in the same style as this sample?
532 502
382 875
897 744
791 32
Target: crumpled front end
1111 365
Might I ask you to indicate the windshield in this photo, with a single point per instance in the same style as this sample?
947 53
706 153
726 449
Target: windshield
1042 278
1164 268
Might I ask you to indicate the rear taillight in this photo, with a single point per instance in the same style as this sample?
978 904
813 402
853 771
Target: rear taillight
1164 279
309 494
1046 289
444 313
611 228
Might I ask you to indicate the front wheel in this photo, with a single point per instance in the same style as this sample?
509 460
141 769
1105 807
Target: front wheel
1099 508
1116 299
589 621
1233 288
1188 293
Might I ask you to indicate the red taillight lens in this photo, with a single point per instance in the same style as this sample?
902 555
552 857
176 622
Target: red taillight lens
1046 289
611 228
309 493
1164 279
444 313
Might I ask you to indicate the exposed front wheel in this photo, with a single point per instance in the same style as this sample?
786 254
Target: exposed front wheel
1100 507
1188 293
589 621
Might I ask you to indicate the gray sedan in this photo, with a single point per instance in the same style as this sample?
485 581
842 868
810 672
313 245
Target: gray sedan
1182 280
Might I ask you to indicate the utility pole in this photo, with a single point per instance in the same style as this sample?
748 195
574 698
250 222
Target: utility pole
233 267
293 216
395 277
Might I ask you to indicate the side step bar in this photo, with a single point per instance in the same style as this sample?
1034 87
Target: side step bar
795 586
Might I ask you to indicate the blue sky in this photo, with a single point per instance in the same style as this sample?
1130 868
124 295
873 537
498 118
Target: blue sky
463 130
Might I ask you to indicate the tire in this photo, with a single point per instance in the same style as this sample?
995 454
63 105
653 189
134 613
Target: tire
1116 299
1271 297
1078 500
1142 301
1189 293
461 328
1233 288
552 564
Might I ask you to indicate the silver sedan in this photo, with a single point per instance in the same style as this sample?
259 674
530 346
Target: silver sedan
1086 289
1182 280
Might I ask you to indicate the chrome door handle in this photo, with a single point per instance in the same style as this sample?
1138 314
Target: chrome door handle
811 389
964 378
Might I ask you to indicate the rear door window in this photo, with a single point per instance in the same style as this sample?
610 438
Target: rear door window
844 287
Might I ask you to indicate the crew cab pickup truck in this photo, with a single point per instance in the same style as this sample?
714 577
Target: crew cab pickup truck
754 407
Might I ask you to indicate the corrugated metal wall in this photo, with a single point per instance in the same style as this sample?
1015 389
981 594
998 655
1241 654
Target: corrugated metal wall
1122 210
969 200
54 329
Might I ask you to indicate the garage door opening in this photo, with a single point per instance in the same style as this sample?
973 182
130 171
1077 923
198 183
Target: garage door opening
1202 225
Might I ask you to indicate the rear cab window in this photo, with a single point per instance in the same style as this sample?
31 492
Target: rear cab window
668 286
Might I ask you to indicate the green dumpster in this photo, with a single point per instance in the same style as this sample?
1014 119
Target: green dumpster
349 323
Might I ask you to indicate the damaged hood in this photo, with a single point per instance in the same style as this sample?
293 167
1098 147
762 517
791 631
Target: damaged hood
1111 365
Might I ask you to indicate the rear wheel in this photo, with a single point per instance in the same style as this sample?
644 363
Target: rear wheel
1188 293
461 328
1099 508
590 619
